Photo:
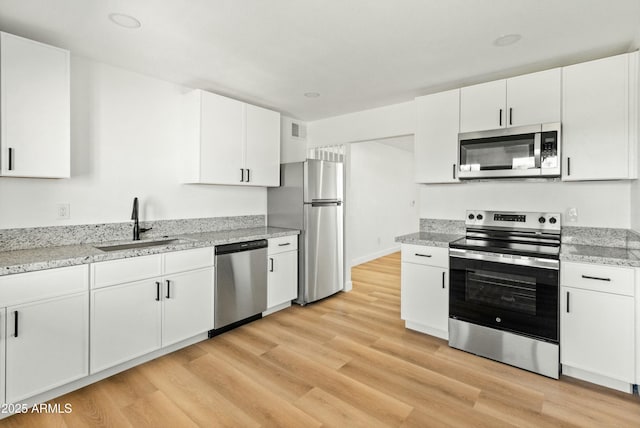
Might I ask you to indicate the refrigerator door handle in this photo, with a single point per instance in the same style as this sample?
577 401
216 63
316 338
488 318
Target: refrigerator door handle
325 203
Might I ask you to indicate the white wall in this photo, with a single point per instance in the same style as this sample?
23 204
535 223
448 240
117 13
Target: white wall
125 142
383 122
382 200
599 204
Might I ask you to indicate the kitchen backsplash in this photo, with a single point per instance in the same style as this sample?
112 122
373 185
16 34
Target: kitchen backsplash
38 237
601 236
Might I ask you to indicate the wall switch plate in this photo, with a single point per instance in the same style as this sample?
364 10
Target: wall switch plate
572 215
63 211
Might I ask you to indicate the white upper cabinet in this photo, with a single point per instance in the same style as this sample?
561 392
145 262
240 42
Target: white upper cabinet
599 123
482 106
524 100
229 142
262 154
34 109
436 148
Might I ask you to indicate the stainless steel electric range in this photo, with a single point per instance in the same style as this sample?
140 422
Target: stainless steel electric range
504 289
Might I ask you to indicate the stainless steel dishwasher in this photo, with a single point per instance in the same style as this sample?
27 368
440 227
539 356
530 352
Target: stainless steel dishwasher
241 284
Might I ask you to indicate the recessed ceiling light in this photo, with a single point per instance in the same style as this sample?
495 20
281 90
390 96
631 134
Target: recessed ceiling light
507 40
126 21
311 94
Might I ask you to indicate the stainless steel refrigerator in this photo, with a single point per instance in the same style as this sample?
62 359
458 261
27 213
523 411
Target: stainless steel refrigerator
310 198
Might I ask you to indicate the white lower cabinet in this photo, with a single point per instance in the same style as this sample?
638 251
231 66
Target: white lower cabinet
139 316
597 324
282 279
47 346
44 331
187 305
425 289
3 332
125 322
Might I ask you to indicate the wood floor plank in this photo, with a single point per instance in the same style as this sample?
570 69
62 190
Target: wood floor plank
345 361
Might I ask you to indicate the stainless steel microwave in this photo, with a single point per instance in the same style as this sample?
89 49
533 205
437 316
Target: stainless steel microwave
523 151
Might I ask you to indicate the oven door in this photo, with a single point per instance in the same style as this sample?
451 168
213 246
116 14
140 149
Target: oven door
511 293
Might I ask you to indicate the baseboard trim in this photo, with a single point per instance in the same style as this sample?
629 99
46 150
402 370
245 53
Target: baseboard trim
364 259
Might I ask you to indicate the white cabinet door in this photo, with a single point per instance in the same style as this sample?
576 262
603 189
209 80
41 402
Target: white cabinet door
597 333
48 347
482 106
534 98
3 332
436 139
597 110
425 297
35 109
187 305
125 322
262 149
282 281
221 139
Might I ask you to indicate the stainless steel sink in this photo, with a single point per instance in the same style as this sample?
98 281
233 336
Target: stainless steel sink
139 244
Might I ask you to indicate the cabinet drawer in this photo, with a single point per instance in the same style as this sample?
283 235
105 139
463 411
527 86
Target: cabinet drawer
25 287
609 279
125 270
181 261
282 244
420 254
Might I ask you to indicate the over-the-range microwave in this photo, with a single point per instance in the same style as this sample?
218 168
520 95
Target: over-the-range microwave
523 151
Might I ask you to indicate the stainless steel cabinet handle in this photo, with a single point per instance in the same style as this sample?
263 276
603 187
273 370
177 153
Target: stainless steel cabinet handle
271 264
15 324
168 289
284 245
157 291
423 255
596 278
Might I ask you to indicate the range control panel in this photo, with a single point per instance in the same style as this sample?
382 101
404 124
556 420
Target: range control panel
514 220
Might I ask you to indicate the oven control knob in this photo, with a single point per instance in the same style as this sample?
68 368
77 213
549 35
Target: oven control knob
479 216
552 220
498 319
471 216
542 220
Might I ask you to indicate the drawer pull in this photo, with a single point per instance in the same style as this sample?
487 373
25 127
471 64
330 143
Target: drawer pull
596 278
423 255
284 245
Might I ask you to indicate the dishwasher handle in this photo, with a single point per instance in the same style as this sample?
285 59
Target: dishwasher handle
241 246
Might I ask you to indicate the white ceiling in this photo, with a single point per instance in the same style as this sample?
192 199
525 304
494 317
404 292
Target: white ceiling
357 54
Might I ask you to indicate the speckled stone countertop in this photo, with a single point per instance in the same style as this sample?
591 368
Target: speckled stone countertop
600 255
430 239
34 259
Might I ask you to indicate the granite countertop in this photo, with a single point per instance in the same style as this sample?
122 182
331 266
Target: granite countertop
600 255
430 239
34 259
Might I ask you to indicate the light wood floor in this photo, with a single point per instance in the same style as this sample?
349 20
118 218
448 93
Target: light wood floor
345 362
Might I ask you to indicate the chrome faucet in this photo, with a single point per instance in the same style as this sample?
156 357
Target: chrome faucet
136 227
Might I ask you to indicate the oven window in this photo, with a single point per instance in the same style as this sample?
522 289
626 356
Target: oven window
502 290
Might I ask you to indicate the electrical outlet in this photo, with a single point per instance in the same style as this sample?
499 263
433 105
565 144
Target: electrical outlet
64 211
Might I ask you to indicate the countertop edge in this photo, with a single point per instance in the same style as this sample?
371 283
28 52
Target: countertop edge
96 256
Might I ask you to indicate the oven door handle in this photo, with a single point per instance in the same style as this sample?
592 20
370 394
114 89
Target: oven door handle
535 262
